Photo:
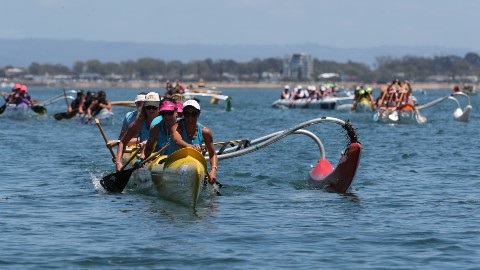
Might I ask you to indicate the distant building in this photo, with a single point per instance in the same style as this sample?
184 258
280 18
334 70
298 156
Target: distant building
298 66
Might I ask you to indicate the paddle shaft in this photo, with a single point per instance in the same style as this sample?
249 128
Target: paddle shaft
65 95
105 138
154 155
4 106
134 153
383 96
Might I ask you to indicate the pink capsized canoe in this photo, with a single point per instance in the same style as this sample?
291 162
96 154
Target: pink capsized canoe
339 179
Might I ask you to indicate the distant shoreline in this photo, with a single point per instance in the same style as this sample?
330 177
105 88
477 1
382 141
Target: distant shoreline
227 85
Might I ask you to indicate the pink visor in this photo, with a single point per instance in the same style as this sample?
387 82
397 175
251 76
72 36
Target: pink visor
179 107
167 106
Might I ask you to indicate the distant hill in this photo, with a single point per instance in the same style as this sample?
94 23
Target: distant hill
22 52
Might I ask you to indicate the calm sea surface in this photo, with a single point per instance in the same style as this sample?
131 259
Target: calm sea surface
414 203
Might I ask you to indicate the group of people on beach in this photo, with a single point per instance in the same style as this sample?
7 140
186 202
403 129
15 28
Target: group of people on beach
311 92
166 124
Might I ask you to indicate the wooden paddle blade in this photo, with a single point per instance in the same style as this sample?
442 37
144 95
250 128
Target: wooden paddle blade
39 109
116 182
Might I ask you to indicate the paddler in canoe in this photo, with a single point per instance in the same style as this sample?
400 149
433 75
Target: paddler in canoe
404 101
140 127
128 119
363 99
20 96
99 104
132 115
187 132
77 105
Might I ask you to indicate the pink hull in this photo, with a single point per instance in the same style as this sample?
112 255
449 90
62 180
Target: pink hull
338 179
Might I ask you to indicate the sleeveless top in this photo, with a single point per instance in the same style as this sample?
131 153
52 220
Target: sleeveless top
163 138
198 140
144 131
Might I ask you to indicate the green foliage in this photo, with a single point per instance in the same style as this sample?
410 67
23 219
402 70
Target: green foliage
413 68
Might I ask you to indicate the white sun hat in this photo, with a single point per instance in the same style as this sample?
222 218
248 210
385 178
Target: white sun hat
191 102
139 98
152 99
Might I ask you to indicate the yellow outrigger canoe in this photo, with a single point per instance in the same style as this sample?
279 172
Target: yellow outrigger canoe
178 177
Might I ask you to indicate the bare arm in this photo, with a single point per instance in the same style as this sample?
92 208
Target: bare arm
89 109
132 130
208 140
107 105
151 142
177 137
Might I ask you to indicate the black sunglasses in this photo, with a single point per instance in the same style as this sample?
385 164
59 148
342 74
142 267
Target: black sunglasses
150 108
167 112
188 114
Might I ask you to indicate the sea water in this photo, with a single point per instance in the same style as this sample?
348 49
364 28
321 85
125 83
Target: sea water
413 205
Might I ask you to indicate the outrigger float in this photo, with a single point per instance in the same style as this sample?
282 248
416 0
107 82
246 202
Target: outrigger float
181 176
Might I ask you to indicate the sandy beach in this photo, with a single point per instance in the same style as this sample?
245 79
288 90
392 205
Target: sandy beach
220 85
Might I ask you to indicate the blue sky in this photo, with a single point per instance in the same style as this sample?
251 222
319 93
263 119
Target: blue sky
338 23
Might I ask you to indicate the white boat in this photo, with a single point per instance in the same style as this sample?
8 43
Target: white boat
105 117
405 115
214 98
326 103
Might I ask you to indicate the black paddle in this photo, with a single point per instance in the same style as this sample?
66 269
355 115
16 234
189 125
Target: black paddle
2 109
117 181
64 115
39 109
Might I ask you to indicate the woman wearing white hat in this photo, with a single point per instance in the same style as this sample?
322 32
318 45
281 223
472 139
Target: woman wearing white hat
132 115
189 133
140 128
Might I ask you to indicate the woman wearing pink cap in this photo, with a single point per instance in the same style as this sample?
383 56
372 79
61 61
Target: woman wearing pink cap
161 129
187 132
20 96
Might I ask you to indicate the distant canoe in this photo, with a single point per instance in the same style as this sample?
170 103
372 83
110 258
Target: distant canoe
327 103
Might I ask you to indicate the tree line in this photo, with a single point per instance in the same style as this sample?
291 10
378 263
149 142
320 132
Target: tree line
414 68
